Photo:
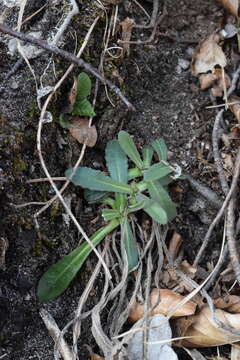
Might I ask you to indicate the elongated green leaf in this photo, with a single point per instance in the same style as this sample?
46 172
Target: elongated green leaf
147 156
161 149
129 244
166 180
84 86
93 196
117 162
128 146
95 180
110 214
60 275
156 172
83 108
153 209
159 194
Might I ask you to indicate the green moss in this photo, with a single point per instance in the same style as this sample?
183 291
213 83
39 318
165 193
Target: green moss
19 165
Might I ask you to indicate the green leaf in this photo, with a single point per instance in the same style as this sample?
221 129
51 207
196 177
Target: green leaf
83 108
154 209
156 172
92 196
117 162
59 276
64 123
161 149
128 146
159 194
84 86
166 180
110 214
137 206
134 173
147 156
95 180
129 244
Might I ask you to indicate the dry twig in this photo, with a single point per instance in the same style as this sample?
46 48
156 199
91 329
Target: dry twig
222 210
68 56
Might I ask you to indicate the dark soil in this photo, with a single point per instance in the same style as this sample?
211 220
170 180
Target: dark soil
160 87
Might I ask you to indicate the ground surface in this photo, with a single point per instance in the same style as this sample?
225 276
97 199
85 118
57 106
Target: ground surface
166 106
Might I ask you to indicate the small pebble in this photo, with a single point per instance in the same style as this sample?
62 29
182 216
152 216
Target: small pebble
14 85
184 64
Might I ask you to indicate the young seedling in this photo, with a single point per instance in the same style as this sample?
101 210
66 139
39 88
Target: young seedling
125 191
78 102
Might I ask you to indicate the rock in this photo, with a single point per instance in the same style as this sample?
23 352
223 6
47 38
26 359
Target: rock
157 333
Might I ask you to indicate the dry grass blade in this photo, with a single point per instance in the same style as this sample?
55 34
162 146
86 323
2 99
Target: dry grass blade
55 333
195 354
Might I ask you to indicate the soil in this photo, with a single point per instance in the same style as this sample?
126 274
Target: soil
158 82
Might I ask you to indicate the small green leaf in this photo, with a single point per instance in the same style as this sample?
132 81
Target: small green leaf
64 123
156 172
110 214
117 162
95 180
83 108
59 276
147 156
84 86
128 146
129 244
92 196
161 149
154 209
159 194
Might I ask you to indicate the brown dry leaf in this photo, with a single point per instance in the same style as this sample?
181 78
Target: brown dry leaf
73 92
96 357
175 244
223 82
235 108
207 55
188 269
127 26
235 135
231 6
203 330
82 132
230 303
168 300
207 80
